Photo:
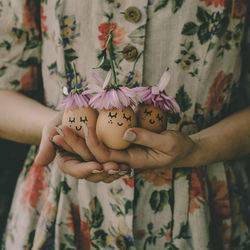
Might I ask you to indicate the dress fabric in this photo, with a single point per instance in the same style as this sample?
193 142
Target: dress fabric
185 208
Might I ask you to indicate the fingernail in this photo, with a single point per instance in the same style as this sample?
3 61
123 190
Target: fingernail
55 145
59 131
95 171
111 171
123 173
129 136
85 130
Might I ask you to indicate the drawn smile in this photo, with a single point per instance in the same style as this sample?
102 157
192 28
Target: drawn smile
119 124
78 128
151 121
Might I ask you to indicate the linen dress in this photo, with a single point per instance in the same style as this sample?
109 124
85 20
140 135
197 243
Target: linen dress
201 41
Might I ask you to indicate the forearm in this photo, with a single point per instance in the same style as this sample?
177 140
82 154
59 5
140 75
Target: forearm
21 118
228 139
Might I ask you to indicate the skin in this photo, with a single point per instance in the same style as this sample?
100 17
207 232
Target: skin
222 141
228 139
24 120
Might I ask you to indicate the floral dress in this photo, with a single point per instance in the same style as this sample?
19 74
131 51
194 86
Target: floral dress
202 43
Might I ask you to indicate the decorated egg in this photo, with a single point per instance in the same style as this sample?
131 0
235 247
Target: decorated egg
112 124
76 108
77 117
151 118
154 105
116 115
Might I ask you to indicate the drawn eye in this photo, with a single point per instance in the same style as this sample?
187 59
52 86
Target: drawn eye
85 119
160 118
147 112
72 120
127 118
112 116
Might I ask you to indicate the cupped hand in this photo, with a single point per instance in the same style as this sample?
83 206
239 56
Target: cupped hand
149 150
74 158
47 150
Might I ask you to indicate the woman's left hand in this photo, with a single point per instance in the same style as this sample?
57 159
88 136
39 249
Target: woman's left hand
149 150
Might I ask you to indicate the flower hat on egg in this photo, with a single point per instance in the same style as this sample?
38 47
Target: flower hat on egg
157 96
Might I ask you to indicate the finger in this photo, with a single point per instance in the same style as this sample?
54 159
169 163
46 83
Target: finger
76 143
112 170
60 142
47 150
146 138
71 165
101 153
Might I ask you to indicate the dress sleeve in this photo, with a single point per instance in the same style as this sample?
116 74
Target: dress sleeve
20 45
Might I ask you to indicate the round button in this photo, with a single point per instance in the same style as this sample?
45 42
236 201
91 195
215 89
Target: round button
133 14
129 53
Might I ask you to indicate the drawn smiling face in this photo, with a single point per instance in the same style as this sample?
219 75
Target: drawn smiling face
151 118
112 124
75 119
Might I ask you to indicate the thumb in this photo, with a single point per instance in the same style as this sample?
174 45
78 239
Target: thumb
47 151
144 137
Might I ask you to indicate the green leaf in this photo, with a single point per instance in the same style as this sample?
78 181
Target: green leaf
189 29
160 5
32 61
223 22
183 99
70 55
5 44
33 43
203 33
2 70
101 236
150 227
158 200
211 46
137 36
97 216
128 206
64 186
70 239
203 16
176 5
15 83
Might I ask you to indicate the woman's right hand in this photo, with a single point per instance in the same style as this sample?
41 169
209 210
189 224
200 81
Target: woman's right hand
73 156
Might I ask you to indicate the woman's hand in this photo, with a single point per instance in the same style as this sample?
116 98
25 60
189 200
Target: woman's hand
150 150
74 158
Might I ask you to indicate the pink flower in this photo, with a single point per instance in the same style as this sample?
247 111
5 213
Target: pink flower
75 101
157 96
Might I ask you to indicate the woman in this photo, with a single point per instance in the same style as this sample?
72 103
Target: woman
187 194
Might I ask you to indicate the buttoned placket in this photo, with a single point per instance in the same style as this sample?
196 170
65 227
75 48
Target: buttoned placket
133 17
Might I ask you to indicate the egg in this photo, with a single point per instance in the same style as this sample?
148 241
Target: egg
111 125
76 117
151 118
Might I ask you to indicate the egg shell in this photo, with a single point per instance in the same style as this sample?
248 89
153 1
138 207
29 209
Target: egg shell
76 117
111 125
151 118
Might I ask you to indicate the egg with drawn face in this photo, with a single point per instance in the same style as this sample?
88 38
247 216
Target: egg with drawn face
77 117
151 118
111 125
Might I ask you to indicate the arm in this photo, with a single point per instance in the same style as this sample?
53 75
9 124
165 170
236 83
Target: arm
21 118
228 139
